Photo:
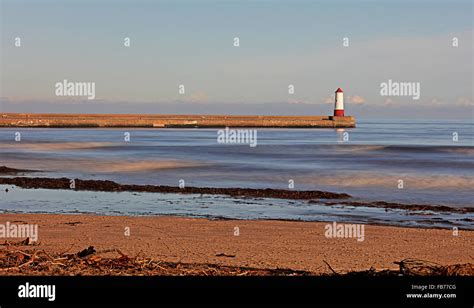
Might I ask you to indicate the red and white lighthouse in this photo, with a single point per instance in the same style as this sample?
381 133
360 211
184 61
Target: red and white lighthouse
339 104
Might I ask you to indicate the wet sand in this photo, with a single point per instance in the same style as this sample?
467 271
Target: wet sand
259 244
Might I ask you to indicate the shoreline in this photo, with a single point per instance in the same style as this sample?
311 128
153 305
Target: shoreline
262 244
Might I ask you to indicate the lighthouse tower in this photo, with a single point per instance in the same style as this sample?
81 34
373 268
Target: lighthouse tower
339 105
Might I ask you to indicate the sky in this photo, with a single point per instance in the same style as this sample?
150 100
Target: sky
282 43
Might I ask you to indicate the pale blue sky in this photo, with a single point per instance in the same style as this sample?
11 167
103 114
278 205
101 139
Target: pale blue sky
282 43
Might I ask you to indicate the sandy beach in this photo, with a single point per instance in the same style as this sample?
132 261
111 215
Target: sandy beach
257 244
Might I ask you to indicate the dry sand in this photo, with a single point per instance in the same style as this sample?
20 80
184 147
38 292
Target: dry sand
260 244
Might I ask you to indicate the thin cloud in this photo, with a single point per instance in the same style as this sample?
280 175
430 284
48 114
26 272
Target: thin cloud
356 99
389 102
465 101
328 100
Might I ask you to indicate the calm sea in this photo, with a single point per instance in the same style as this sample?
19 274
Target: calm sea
416 161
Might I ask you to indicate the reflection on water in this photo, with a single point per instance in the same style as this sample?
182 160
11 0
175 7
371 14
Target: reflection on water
210 206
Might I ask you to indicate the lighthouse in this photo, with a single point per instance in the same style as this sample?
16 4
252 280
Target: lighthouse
339 104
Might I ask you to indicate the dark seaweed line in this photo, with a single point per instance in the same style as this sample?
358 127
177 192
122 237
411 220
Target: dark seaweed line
312 196
110 186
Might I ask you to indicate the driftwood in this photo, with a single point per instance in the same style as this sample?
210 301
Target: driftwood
25 242
91 262
414 267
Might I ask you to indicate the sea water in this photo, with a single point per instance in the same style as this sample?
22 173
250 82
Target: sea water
407 161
